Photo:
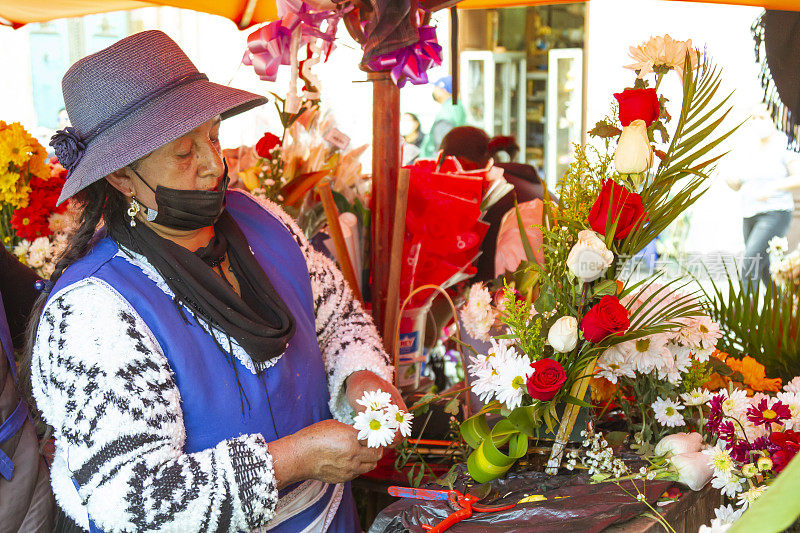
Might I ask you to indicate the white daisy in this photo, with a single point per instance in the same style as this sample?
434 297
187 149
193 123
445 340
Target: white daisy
668 369
375 428
613 364
645 353
715 527
375 400
696 397
667 412
703 354
485 370
511 379
748 497
399 420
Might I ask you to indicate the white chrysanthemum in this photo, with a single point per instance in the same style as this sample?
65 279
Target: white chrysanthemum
748 497
730 484
645 353
399 420
511 379
726 514
793 386
21 250
667 412
735 403
696 397
375 400
373 427
720 459
477 314
613 364
703 354
792 400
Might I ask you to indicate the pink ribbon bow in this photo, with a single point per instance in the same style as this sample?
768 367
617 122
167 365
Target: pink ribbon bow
412 62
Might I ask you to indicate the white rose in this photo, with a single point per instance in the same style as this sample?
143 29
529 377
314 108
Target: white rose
679 443
590 257
563 335
634 153
694 469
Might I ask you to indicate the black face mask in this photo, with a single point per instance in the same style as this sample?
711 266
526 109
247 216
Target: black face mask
187 209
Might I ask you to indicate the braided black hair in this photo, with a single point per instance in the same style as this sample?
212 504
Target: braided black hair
100 202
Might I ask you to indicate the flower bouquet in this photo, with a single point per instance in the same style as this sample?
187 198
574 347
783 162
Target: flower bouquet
577 307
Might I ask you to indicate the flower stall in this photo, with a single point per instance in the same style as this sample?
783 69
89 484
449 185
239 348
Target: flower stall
604 393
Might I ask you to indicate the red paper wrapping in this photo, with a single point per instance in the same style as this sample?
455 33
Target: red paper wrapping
444 226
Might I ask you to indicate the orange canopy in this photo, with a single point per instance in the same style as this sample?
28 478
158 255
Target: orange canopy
786 5
243 12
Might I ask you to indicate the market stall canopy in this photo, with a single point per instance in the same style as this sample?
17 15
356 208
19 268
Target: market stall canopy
242 12
786 5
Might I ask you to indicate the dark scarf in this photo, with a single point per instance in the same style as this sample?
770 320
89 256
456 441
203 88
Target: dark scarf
777 39
259 320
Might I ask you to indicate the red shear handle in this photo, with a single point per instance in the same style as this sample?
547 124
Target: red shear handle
453 519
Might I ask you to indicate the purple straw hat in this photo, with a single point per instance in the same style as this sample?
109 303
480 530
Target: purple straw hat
128 99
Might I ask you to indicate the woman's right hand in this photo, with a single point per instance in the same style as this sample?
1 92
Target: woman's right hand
328 451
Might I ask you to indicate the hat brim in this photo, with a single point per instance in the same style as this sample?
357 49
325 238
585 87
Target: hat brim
153 125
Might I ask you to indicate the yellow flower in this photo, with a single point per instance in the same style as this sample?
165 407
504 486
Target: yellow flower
250 178
14 145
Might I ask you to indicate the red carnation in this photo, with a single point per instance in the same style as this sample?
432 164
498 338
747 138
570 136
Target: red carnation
626 209
789 442
266 144
607 317
637 104
547 379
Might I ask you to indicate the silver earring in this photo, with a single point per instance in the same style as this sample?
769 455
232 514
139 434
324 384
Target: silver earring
133 210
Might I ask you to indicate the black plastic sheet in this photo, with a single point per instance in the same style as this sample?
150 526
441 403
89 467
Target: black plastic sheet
583 507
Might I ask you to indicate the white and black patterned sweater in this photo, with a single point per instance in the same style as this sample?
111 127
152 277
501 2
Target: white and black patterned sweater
102 381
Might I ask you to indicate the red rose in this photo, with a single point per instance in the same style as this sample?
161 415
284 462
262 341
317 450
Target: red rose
607 317
789 441
635 104
626 208
547 379
266 144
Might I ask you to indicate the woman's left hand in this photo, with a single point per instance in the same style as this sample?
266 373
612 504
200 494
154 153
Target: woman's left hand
362 381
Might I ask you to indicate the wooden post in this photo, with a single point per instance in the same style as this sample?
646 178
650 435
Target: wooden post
385 165
396 263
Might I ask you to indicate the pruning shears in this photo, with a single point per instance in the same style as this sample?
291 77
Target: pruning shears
463 505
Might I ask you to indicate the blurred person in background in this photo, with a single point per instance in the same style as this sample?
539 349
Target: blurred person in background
765 173
449 116
475 149
411 131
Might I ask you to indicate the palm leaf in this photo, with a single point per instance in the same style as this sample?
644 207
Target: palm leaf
681 177
758 323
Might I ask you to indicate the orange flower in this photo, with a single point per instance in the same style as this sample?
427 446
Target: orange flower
754 375
602 390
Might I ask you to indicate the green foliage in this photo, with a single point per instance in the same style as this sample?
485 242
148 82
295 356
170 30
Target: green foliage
698 374
524 328
758 323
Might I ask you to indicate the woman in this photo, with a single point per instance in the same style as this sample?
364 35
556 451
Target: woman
765 175
190 355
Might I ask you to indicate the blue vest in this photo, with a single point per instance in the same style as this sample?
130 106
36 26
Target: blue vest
283 399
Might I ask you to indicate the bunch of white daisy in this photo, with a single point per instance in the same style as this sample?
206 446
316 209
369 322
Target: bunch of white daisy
381 420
